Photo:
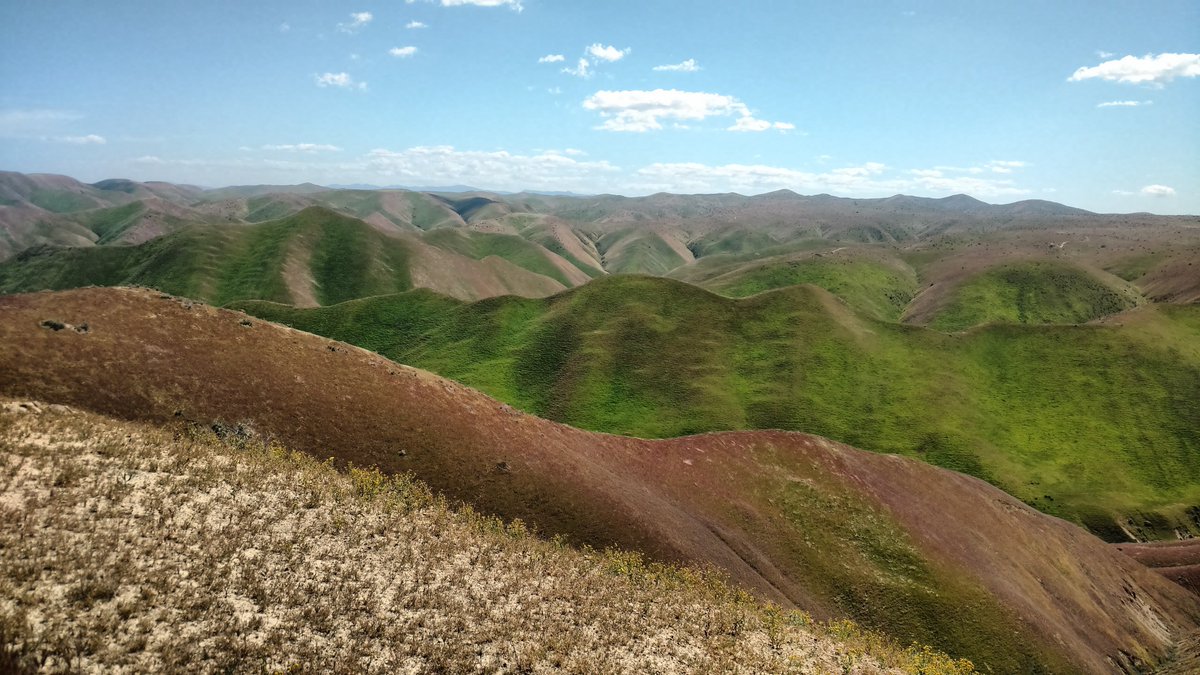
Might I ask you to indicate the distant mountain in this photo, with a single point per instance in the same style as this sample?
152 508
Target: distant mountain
683 235
445 188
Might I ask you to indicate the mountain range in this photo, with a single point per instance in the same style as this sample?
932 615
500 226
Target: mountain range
960 424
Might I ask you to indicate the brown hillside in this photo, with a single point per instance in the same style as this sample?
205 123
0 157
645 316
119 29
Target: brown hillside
783 513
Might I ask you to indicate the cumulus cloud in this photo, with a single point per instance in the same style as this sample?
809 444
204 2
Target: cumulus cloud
496 169
90 139
552 58
303 147
582 69
870 178
1123 104
688 66
1158 191
639 111
514 5
402 52
751 123
569 169
607 53
1151 69
358 21
339 80
411 25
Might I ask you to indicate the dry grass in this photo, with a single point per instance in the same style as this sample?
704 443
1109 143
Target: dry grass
130 548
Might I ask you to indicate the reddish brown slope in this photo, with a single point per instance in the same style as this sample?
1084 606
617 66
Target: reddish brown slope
797 518
1178 561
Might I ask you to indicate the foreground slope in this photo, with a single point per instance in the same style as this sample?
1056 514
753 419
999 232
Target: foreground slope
1118 450
237 558
920 552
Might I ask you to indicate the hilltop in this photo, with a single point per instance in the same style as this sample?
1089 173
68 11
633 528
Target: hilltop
922 553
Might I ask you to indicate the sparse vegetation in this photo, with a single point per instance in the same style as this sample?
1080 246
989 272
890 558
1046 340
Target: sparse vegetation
173 550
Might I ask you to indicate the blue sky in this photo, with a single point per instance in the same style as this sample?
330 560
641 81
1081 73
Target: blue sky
1004 101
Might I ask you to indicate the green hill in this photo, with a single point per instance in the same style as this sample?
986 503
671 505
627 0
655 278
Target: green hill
1031 293
315 252
1097 424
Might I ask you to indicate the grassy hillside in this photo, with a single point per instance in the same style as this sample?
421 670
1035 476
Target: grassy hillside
923 553
1097 424
1031 293
315 253
479 245
299 575
877 288
637 251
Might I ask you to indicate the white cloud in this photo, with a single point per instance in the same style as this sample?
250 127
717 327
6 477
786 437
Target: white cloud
638 110
870 179
512 4
607 52
303 147
1123 104
1151 69
688 66
402 52
994 166
23 122
1101 54
568 169
1123 193
583 69
552 58
749 123
1004 166
495 170
90 139
358 21
1158 191
412 25
340 80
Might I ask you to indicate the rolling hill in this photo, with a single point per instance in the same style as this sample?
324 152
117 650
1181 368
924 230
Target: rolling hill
1093 423
920 552
314 257
299 578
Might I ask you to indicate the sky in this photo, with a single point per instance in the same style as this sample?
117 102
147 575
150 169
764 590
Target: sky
1091 103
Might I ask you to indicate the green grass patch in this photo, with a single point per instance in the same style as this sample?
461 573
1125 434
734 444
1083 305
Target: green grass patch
1072 419
874 288
1031 293
479 245
222 263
